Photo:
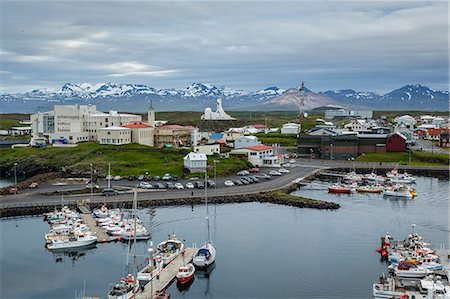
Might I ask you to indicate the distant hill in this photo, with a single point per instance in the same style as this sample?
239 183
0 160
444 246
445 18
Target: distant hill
197 96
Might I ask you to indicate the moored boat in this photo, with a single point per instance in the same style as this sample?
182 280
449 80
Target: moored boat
73 241
185 273
125 289
169 249
340 189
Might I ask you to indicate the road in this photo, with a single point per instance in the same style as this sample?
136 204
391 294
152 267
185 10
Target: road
29 197
428 146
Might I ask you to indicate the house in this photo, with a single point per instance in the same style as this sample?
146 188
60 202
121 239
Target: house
254 129
257 153
175 135
332 113
444 139
433 133
195 162
208 149
396 142
216 138
290 128
358 125
141 133
246 141
322 131
231 136
114 135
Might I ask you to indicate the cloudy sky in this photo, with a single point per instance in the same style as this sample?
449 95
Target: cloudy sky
376 46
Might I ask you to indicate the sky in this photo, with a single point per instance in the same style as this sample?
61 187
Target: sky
363 45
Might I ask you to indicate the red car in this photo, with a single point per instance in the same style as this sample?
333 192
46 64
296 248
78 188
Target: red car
254 170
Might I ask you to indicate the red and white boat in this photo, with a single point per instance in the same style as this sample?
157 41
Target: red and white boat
341 189
185 273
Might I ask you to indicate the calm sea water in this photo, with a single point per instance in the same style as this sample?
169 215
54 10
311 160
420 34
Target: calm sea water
264 250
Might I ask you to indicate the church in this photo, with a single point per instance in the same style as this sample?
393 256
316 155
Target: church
219 114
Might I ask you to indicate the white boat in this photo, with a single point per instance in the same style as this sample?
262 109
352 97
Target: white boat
398 192
127 233
185 273
373 177
380 290
103 212
152 270
353 176
411 272
206 255
169 249
127 288
76 240
435 289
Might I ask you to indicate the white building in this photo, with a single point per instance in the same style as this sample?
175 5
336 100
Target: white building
114 135
208 149
141 133
219 114
246 141
195 162
77 123
358 125
259 156
290 128
330 114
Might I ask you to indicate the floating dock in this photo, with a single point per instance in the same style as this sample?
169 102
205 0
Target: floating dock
102 236
167 275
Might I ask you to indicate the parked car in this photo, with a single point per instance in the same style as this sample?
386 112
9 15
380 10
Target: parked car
175 178
254 178
282 170
145 185
117 178
131 177
141 178
264 176
109 192
157 178
109 177
254 170
286 156
13 190
238 182
244 181
229 183
287 165
243 172
189 185
148 177
292 161
166 177
274 173
33 185
170 185
211 183
199 185
193 178
90 185
179 186
160 186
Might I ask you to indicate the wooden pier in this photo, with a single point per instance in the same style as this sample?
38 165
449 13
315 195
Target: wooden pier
167 275
102 236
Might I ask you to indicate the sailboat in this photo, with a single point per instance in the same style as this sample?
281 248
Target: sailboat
128 286
206 255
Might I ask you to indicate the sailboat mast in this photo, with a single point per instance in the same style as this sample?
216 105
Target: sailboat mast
109 175
134 239
206 203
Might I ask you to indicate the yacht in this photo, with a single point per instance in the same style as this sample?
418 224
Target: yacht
72 241
169 249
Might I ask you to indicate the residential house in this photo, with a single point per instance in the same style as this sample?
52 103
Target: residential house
175 135
396 142
195 162
358 125
246 141
217 138
208 149
444 139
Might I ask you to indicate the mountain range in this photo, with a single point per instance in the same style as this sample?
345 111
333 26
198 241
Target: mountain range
197 96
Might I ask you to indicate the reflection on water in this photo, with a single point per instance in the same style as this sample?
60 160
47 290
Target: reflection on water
263 250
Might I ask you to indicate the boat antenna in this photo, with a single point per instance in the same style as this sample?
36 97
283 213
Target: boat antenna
208 237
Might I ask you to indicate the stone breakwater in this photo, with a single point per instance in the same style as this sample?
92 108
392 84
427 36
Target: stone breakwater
263 197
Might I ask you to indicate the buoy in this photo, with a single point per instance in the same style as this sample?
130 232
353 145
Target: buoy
104 241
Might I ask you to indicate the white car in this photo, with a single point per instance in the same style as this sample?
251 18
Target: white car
117 178
287 165
292 161
190 185
274 172
145 185
229 183
242 173
167 177
282 170
179 186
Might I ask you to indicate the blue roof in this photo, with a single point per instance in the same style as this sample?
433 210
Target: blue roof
216 136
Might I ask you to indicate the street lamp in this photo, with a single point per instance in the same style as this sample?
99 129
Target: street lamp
331 150
15 178
92 184
311 150
215 173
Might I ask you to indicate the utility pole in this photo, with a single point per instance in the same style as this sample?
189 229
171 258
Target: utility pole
15 178
331 151
92 184
215 174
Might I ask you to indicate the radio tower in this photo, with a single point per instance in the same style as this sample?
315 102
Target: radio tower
301 103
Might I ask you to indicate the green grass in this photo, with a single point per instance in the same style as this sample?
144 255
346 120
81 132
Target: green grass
7 121
417 158
282 139
125 160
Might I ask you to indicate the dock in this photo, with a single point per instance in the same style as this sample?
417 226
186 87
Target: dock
167 274
102 236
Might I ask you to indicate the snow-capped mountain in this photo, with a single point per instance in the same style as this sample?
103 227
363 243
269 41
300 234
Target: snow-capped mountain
197 96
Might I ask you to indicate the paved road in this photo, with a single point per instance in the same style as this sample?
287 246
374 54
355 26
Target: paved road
428 146
35 196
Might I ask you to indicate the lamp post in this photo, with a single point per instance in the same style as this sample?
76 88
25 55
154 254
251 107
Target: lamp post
215 173
92 184
310 157
331 151
409 155
15 178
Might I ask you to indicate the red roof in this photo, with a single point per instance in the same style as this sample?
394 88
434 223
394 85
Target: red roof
259 126
137 126
258 147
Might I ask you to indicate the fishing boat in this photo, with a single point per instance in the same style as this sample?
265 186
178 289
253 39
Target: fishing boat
169 249
397 192
152 270
103 212
385 288
369 189
406 269
373 177
72 241
206 255
340 189
185 273
353 176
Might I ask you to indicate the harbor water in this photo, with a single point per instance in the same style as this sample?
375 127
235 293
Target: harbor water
263 250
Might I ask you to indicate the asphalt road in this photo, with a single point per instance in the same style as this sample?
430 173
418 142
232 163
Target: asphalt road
428 146
30 197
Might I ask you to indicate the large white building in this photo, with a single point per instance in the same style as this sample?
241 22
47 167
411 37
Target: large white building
290 128
332 113
114 135
77 123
